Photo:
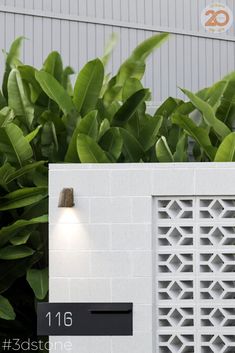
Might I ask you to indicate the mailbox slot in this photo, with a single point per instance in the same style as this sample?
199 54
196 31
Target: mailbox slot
85 319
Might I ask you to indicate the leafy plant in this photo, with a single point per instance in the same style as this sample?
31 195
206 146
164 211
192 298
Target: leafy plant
102 119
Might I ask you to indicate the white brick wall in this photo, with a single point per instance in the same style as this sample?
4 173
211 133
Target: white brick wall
103 249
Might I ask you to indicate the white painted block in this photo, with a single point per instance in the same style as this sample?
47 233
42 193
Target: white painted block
131 236
126 183
84 182
173 181
59 290
209 181
69 264
80 213
142 209
141 263
80 236
110 264
142 318
141 342
136 290
90 290
110 210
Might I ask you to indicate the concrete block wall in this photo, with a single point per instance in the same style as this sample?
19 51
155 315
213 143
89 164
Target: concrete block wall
104 249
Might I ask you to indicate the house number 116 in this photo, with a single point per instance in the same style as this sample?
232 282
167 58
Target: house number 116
60 319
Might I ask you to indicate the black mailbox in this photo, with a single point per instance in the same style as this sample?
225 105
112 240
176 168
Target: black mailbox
85 319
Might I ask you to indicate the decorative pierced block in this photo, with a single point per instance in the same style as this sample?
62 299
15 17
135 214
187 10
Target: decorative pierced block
176 343
195 274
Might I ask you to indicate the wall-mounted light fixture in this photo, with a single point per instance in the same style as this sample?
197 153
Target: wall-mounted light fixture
66 198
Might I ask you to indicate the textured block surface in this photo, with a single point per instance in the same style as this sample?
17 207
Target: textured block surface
159 235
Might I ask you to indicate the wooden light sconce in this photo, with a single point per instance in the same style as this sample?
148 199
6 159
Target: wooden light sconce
66 198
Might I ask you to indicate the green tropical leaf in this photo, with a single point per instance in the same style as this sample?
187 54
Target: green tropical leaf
131 86
11 59
88 86
53 65
6 116
129 108
5 171
27 74
38 281
18 98
104 126
55 91
22 197
66 83
6 309
15 269
163 151
208 114
132 149
181 152
149 129
226 150
13 252
14 174
112 142
134 66
89 151
109 49
226 109
8 232
199 134
14 145
21 238
88 126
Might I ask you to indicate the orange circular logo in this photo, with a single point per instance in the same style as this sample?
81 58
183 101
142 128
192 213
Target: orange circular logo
217 18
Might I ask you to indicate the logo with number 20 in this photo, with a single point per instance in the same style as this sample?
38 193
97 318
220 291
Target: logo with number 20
217 18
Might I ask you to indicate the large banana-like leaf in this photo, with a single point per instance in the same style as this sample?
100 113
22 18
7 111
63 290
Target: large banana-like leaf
14 145
88 86
54 66
208 114
226 150
134 66
15 269
132 149
11 59
8 232
109 49
163 151
6 309
27 73
199 134
55 91
112 142
129 108
226 109
181 152
5 171
88 126
18 99
3 102
14 174
13 252
6 116
149 129
131 86
22 197
38 281
89 151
